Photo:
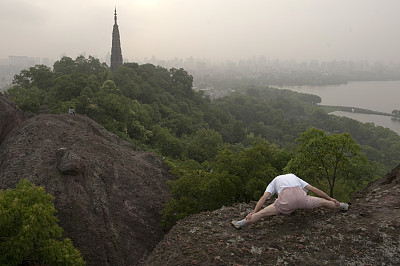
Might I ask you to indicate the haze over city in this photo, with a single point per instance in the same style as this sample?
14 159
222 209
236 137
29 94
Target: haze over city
218 30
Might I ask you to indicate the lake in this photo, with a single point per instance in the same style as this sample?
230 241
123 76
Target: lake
383 96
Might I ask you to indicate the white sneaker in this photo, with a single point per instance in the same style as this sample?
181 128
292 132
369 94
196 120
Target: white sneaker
235 225
344 207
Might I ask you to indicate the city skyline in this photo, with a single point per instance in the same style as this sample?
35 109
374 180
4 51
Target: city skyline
358 30
27 61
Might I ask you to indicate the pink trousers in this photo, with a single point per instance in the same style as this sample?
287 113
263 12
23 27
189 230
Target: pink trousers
293 198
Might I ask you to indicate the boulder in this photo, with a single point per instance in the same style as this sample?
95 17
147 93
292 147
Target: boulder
108 195
69 163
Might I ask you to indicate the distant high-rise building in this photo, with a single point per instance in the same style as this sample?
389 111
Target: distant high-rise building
21 61
116 55
46 62
108 58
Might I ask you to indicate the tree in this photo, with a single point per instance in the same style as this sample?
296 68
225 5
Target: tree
66 88
181 77
64 66
28 100
330 158
197 190
204 145
109 87
396 114
29 230
165 142
255 166
90 66
38 76
233 132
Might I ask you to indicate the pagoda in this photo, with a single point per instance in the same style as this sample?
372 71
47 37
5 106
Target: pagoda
116 55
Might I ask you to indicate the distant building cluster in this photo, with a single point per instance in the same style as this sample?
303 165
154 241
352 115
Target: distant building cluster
252 67
263 71
260 70
11 66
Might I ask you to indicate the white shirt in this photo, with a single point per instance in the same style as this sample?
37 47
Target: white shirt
284 181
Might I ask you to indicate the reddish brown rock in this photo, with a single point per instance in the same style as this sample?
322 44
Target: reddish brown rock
10 116
108 195
368 234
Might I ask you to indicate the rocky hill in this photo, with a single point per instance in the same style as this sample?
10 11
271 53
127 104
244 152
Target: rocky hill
108 195
368 234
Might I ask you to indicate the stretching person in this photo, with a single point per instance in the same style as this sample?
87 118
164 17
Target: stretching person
292 195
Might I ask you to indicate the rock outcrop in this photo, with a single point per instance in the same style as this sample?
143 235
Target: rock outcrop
10 116
108 195
368 234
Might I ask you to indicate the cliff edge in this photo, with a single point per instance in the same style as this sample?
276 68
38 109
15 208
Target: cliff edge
10 116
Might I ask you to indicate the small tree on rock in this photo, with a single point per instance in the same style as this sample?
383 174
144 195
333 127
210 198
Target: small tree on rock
321 157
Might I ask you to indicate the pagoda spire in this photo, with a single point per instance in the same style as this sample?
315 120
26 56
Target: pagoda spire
116 54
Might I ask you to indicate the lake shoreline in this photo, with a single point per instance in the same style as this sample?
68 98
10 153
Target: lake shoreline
381 96
350 109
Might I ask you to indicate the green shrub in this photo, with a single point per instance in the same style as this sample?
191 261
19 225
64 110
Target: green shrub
29 230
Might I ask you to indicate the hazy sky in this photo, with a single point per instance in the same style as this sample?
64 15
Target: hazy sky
214 29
